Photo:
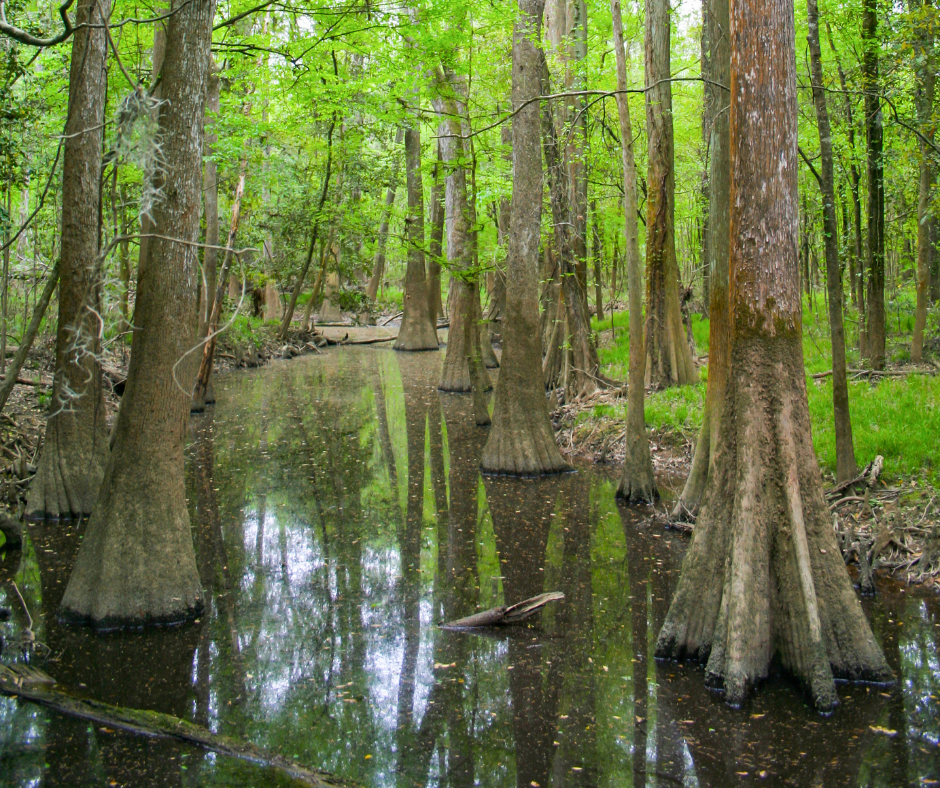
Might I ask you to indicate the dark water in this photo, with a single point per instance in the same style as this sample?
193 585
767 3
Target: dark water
338 516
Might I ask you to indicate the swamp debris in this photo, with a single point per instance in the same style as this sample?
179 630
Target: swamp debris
33 685
505 615
12 531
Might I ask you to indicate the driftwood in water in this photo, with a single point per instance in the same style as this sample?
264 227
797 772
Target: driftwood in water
503 615
33 685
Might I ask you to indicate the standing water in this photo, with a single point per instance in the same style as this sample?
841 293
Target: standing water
339 517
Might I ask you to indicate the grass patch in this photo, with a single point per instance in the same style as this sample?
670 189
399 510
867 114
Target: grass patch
898 418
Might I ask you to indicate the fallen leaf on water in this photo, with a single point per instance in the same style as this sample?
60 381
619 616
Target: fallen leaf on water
885 731
438 665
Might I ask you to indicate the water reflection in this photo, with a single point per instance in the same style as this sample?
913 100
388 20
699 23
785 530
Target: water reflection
338 516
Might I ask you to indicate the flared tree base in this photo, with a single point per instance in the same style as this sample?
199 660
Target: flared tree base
763 577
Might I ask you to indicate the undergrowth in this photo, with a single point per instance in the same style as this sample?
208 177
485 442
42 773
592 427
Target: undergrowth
898 418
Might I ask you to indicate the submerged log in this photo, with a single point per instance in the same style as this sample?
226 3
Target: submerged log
35 686
503 615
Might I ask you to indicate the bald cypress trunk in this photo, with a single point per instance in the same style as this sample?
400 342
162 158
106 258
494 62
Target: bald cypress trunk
75 450
763 577
636 483
136 564
716 258
417 332
378 262
668 355
521 439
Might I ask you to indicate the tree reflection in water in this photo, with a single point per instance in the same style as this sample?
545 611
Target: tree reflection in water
339 516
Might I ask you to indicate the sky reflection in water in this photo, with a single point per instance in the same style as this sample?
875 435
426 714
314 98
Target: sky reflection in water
338 516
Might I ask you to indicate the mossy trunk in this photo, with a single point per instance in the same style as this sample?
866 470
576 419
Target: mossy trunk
75 450
763 577
521 439
136 564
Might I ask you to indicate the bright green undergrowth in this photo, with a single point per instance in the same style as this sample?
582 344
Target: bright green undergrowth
898 418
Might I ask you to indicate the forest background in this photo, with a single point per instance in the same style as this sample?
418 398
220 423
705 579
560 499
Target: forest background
312 98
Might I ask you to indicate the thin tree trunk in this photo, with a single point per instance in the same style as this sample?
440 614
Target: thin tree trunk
436 242
19 358
636 481
845 450
75 449
874 132
299 284
136 564
4 295
598 254
763 577
668 355
208 350
521 440
924 99
378 262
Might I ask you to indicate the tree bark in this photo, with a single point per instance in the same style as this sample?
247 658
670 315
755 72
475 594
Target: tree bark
845 450
668 355
924 99
637 484
521 439
378 262
75 450
418 332
136 564
763 577
455 373
715 258
874 132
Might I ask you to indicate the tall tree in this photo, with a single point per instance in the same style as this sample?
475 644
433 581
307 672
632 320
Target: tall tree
668 355
521 440
378 262
845 450
924 88
418 331
763 577
874 134
75 450
136 564
636 483
716 253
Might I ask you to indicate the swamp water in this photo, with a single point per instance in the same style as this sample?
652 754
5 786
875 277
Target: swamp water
338 517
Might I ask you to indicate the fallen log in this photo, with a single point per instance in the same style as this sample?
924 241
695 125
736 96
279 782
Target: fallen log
504 615
31 684
373 341
869 476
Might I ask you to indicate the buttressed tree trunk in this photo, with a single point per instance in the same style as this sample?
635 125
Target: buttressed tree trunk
716 258
668 355
763 577
455 373
521 439
136 564
75 451
417 332
845 450
874 132
924 97
636 482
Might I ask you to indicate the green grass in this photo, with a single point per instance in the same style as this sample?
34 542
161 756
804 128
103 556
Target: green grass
898 418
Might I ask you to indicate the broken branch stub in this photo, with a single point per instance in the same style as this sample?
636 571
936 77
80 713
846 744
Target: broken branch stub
505 615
